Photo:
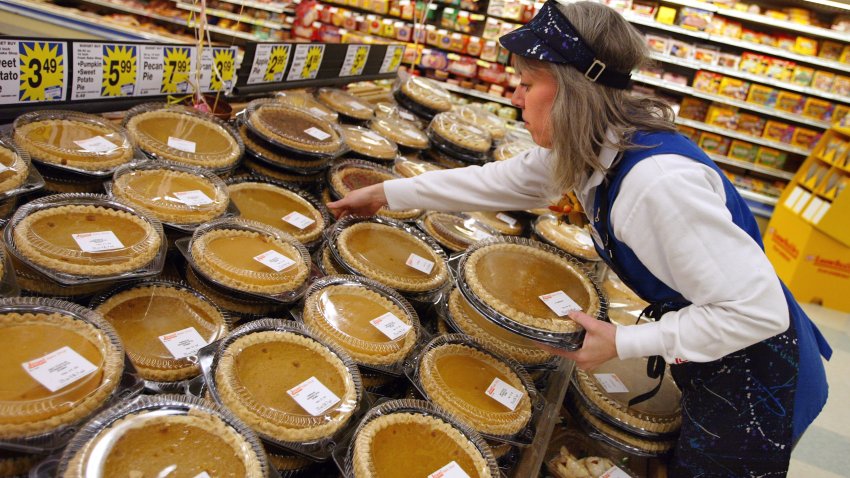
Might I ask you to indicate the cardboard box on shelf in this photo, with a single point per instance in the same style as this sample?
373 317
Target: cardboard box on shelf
830 50
742 150
823 80
818 109
722 116
714 143
790 102
666 15
750 124
693 108
762 95
778 131
805 137
707 81
802 75
733 88
771 157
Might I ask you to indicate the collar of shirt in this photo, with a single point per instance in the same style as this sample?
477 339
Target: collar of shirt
587 189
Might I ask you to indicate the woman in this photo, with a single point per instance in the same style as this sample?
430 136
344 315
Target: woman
669 223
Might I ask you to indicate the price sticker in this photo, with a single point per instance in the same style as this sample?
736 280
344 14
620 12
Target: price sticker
390 325
611 383
355 60
298 220
275 260
504 393
419 263
313 396
615 472
560 303
194 197
374 137
452 470
202 474
506 219
584 239
317 133
406 115
223 69
177 63
183 343
392 59
306 62
100 241
181 144
59 369
96 144
119 70
318 112
42 71
480 235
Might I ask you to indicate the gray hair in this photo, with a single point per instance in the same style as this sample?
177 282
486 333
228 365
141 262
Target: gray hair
583 111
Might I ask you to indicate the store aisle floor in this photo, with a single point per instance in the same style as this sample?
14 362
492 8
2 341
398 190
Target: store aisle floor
824 450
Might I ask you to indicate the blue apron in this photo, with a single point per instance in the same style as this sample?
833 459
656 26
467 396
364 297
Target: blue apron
741 413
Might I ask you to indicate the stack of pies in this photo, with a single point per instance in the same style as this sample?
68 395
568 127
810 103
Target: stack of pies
276 158
369 144
459 139
287 463
67 139
302 180
296 131
346 104
456 376
476 115
409 168
260 362
440 158
173 194
404 133
148 314
15 167
383 252
290 211
574 240
40 334
162 435
509 149
243 308
306 101
504 223
455 232
423 96
184 135
348 175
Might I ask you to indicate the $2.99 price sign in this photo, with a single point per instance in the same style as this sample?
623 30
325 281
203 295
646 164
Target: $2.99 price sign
40 70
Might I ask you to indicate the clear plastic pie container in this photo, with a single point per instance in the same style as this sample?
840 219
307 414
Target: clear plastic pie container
476 115
346 104
408 168
574 240
405 133
506 223
423 96
306 101
274 156
454 231
350 174
72 141
571 454
240 307
304 179
368 143
293 130
509 148
17 176
450 133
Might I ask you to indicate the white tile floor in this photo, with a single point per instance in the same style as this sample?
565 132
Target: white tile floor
824 450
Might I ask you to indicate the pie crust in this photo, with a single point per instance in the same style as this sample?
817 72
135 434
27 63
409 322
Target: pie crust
328 263
346 103
491 219
269 204
451 128
30 408
341 313
476 115
276 157
450 230
403 132
305 180
349 177
379 252
288 126
410 444
52 141
227 256
252 309
142 314
575 241
16 172
492 337
540 272
368 143
255 371
45 238
456 377
427 93
285 463
409 168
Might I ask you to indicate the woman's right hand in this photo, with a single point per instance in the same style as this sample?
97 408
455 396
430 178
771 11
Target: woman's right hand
360 202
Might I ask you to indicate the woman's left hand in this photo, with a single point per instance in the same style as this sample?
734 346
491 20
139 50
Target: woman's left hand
599 342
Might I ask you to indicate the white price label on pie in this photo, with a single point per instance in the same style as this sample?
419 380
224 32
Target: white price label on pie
584 240
193 198
275 260
452 470
100 241
506 219
96 144
420 263
390 325
318 112
474 130
313 396
317 133
504 393
181 144
611 383
615 472
202 474
560 303
407 116
59 369
356 106
480 235
374 136
298 220
3 168
183 343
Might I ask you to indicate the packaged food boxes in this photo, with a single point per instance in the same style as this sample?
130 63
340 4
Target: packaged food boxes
750 124
722 116
778 131
707 81
790 102
742 150
823 80
762 95
818 109
805 137
802 75
694 18
771 157
734 88
714 143
693 108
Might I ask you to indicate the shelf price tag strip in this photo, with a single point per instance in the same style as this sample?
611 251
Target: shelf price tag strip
33 71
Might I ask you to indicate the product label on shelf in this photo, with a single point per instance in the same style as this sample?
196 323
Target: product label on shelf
611 383
183 343
104 70
32 71
615 472
275 260
355 60
560 303
317 133
269 63
506 219
59 369
177 65
452 470
504 393
165 70
419 263
306 62
194 197
392 59
390 325
313 396
96 144
181 144
298 220
100 241
218 65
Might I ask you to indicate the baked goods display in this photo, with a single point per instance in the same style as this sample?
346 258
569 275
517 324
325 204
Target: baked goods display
574 240
502 222
454 231
410 167
509 148
405 133
476 115
369 144
423 96
346 104
451 134
306 101
15 171
293 129
274 156
350 174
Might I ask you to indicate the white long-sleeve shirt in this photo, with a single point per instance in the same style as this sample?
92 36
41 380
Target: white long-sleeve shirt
671 212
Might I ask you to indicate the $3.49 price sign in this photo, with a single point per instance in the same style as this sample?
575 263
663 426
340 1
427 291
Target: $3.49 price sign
41 71
177 63
119 70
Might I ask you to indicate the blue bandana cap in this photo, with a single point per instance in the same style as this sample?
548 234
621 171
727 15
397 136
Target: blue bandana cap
550 37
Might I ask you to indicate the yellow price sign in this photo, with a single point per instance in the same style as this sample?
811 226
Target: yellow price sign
392 59
360 60
42 76
223 68
278 59
175 76
119 70
312 62
398 54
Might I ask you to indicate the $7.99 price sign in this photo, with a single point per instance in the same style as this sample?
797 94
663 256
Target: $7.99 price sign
39 67
177 63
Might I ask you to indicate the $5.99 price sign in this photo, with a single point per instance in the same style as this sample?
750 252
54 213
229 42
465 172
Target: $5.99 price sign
32 71
119 70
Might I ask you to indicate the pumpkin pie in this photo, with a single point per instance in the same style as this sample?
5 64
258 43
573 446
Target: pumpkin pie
366 142
304 180
182 135
342 313
509 149
346 104
427 93
404 444
619 295
409 168
293 128
172 195
476 115
350 175
254 372
574 240
14 168
46 237
270 153
278 207
491 336
451 128
36 284
229 257
29 407
329 264
504 223
288 463
404 133
143 314
454 231
381 252
154 443
73 139
456 377
540 272
252 309
306 101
